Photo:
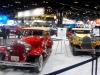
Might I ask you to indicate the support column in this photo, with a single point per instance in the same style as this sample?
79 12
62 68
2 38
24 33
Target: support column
60 19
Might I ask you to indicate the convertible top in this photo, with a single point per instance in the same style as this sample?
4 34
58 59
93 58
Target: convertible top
37 28
81 29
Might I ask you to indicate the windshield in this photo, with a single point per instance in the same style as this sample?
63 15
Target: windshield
50 18
82 31
32 32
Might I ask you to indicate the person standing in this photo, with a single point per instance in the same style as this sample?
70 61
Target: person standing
8 32
18 32
4 34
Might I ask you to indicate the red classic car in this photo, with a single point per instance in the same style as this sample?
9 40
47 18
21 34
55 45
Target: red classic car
28 52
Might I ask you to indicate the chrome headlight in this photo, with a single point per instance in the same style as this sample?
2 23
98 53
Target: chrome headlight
93 40
80 40
8 47
27 47
21 42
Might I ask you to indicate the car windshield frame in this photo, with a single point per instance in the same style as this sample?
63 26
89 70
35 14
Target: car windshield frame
82 31
32 33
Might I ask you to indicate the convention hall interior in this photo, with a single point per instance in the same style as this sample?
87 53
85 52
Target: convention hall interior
49 37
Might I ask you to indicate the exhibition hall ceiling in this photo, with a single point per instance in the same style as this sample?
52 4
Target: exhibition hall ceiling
78 8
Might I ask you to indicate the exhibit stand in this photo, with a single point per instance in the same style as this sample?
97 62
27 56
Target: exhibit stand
61 38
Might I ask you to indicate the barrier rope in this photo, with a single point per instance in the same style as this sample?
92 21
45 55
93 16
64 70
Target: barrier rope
71 67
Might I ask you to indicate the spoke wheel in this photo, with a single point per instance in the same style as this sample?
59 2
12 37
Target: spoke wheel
39 60
75 53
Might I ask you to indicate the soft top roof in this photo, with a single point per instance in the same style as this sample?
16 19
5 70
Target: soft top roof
81 29
37 28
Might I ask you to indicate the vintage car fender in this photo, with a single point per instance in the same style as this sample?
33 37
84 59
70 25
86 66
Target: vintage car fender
68 34
49 43
35 51
3 49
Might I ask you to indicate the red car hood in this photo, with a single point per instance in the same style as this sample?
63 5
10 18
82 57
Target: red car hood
32 39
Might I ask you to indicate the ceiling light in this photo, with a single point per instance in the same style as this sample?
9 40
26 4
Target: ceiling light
86 5
95 7
46 2
75 1
4 6
78 14
43 1
17 2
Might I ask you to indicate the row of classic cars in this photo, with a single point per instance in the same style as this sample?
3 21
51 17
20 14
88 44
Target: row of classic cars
35 45
29 51
83 40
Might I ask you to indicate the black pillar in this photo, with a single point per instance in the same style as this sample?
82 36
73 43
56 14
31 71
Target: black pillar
60 19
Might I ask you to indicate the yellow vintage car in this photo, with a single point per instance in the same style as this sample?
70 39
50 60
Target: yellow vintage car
82 39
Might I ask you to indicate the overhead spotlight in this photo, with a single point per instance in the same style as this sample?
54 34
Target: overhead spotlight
84 13
86 5
95 7
46 2
35 4
75 1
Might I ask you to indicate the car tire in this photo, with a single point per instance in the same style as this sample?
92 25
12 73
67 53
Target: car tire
75 53
49 50
2 57
39 60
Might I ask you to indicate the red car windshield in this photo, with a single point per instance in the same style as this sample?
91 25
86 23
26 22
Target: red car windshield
32 32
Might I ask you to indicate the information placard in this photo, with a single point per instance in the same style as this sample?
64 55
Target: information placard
96 31
61 33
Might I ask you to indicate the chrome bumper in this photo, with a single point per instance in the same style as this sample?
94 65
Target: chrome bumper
18 64
87 50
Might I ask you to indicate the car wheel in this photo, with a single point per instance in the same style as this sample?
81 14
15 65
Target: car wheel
97 53
70 43
75 53
49 50
39 60
2 57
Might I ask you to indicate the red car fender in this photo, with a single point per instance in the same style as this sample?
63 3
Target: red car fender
69 33
35 51
49 43
3 49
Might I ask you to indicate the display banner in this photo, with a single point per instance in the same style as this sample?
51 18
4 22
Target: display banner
96 31
61 33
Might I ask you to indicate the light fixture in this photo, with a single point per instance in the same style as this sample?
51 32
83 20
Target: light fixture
75 1
95 7
86 5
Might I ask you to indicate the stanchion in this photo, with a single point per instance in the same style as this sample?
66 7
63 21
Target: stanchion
95 55
92 65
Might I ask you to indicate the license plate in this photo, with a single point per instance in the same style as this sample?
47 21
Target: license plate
15 58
